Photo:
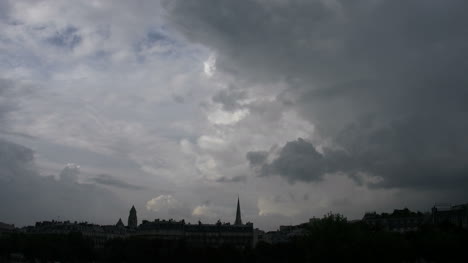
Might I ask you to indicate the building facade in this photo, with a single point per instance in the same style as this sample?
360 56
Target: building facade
401 220
456 215
199 235
6 228
237 235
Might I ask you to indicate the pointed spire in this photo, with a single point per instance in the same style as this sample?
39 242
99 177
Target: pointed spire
238 213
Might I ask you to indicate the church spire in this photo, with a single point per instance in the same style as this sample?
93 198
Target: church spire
238 214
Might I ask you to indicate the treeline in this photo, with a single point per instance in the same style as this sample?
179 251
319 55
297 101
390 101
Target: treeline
333 239
330 239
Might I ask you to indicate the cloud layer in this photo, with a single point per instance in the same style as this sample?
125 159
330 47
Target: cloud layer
382 81
27 196
177 107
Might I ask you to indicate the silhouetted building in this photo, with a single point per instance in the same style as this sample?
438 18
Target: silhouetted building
195 235
120 223
456 215
238 214
132 218
285 233
97 233
258 236
401 220
6 228
201 235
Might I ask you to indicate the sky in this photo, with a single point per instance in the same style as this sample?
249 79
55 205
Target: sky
299 107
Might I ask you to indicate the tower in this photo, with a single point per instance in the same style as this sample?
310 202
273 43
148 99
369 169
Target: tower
238 214
132 218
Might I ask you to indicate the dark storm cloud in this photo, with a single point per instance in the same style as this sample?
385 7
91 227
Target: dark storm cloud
27 196
257 158
297 161
399 160
320 39
412 152
384 81
105 179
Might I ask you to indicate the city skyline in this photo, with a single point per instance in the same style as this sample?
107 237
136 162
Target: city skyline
134 222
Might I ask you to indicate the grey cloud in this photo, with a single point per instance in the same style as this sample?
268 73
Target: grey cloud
68 37
271 39
5 7
384 81
257 158
178 98
105 179
412 152
234 179
154 37
18 134
229 98
296 161
8 101
395 160
70 173
12 95
15 160
28 196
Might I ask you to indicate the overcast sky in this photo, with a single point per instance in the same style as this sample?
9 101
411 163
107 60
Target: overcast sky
300 107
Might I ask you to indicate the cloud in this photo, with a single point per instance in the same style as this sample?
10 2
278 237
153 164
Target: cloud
163 202
8 99
270 206
4 9
209 66
29 196
374 164
204 210
105 179
230 98
257 158
178 97
235 179
413 153
381 82
297 160
221 117
70 173
66 38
